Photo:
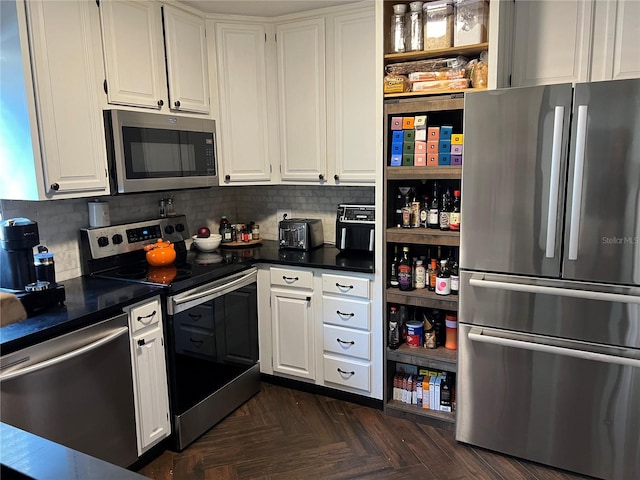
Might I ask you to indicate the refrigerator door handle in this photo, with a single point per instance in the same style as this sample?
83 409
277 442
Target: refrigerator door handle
576 198
554 181
478 280
482 335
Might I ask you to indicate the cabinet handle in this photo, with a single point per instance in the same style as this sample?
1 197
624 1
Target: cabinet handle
141 342
346 343
177 103
199 342
342 314
55 186
351 373
344 286
227 178
151 315
160 102
321 177
194 317
336 177
290 279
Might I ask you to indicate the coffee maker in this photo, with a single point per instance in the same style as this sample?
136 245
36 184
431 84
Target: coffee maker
18 237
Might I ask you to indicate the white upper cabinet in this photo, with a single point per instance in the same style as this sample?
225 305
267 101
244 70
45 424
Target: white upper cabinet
137 61
53 143
575 41
302 99
351 73
245 142
186 47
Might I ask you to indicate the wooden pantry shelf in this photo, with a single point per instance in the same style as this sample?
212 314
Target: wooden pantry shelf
420 173
445 420
431 93
432 358
465 51
422 236
422 298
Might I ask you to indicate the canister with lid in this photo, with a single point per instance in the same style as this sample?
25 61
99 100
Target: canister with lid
44 265
438 24
415 37
397 32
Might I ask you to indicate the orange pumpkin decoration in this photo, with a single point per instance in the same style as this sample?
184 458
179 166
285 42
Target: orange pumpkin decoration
160 253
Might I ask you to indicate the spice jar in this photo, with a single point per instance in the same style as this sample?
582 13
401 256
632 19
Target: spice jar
255 231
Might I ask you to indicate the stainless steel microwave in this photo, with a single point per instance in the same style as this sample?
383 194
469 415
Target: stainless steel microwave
152 152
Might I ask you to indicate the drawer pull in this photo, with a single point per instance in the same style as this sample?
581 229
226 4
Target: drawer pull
151 315
195 317
290 279
141 342
199 342
351 373
342 314
344 286
346 343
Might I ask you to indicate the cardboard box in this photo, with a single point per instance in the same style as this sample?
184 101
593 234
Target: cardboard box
444 159
420 122
421 135
396 148
444 146
432 160
456 159
407 160
396 123
408 148
421 147
408 122
446 132
456 149
420 160
433 133
409 136
457 138
396 161
397 136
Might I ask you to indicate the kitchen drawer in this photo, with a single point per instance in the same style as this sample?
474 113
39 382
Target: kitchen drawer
190 340
348 373
200 316
347 341
345 285
145 315
290 277
346 312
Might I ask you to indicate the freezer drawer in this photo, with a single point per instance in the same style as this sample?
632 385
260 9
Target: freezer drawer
582 311
571 405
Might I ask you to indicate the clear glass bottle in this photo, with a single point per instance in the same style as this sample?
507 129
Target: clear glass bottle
420 275
397 32
393 276
415 35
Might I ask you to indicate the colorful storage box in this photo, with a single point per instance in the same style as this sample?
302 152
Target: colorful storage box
444 146
457 138
407 160
446 132
396 148
408 148
397 136
409 136
433 133
432 160
444 159
421 147
420 159
396 123
456 149
456 159
420 122
421 135
432 146
407 123
396 160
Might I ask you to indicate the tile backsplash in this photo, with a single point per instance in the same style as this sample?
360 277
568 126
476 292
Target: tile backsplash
59 221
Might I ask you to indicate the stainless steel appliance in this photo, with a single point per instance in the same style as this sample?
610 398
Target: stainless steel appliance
76 390
211 324
549 360
355 227
301 233
151 152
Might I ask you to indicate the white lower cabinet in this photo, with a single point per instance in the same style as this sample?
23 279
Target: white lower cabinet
315 325
150 388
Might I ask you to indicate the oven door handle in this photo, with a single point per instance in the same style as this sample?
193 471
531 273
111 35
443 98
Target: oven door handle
208 292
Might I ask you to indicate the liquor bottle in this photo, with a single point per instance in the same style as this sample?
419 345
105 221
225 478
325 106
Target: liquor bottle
404 271
394 328
393 278
406 213
433 221
445 210
415 212
424 212
443 279
433 271
453 268
420 275
454 217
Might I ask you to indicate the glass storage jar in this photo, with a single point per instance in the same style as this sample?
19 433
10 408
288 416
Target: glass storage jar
438 25
397 32
471 22
415 36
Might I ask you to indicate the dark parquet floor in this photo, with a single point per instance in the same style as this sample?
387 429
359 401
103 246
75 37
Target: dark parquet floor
283 433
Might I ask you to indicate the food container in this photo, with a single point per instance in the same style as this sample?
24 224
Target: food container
397 32
99 215
471 22
414 333
415 35
160 253
438 24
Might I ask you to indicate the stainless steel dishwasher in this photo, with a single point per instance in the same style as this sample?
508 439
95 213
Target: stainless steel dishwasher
76 390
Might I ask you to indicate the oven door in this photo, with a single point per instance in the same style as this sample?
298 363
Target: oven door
213 353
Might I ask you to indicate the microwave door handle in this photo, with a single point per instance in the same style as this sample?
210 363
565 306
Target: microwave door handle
343 238
372 237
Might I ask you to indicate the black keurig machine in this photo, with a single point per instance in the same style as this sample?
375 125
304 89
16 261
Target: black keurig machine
18 237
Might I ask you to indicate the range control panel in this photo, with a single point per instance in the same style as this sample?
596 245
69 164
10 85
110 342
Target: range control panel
356 213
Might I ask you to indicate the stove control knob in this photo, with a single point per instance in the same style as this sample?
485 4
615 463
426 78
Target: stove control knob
103 241
168 229
179 227
116 239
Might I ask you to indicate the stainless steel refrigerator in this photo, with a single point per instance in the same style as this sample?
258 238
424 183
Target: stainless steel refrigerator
549 359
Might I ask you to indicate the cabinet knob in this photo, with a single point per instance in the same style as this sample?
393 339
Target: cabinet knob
177 103
321 177
55 186
160 102
227 178
141 342
336 177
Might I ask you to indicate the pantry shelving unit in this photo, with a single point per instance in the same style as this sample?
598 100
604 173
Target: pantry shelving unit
443 110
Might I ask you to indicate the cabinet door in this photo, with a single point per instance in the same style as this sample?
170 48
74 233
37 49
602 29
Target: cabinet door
352 127
134 54
65 45
152 394
301 93
186 49
552 42
244 115
292 333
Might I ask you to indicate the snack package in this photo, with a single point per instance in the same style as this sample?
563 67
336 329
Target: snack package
394 83
479 71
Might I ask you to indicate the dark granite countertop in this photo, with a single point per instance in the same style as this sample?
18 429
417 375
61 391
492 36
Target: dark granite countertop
88 300
28 456
326 256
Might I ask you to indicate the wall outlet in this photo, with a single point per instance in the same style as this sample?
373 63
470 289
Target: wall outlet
281 215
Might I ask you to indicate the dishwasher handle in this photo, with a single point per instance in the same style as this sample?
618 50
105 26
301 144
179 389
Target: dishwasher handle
67 356
477 334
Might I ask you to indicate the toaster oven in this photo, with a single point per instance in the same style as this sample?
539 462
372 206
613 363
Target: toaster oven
300 233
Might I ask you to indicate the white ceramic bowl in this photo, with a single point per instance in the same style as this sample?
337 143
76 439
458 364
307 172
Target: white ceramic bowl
207 244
